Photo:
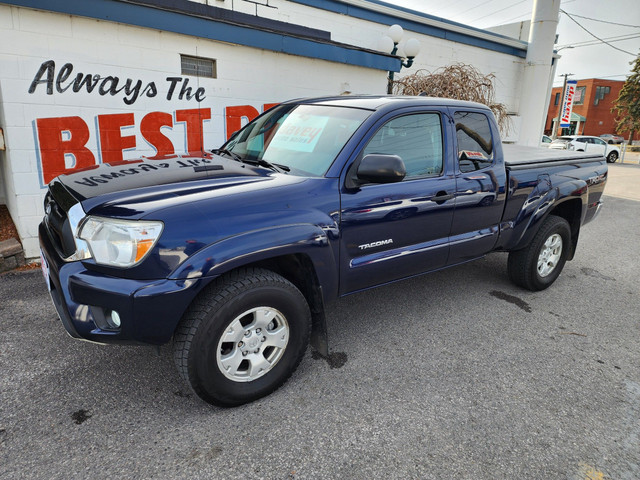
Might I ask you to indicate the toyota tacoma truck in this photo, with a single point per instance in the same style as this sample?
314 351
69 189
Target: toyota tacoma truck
232 254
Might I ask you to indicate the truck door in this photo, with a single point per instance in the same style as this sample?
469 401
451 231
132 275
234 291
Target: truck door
395 230
480 181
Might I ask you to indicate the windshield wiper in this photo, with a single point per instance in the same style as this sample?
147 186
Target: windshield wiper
228 153
263 163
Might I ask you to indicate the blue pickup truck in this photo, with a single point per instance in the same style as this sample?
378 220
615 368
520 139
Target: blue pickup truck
232 254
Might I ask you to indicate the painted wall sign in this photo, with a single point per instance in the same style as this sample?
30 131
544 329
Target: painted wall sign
62 143
567 104
128 89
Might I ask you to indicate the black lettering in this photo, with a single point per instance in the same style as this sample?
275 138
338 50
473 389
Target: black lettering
150 90
174 81
145 168
112 82
87 182
88 81
111 176
49 68
63 74
129 171
98 180
131 94
185 90
200 94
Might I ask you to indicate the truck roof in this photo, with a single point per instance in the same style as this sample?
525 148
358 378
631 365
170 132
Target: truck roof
377 102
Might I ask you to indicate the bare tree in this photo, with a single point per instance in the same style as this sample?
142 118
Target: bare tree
459 81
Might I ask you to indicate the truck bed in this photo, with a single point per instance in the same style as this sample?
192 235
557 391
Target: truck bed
518 156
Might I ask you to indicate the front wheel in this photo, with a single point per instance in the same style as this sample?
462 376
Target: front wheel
242 337
612 157
538 265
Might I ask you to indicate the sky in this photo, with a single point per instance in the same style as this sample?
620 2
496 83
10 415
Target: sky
589 58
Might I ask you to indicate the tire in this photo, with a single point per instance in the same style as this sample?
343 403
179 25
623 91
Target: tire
612 157
242 337
538 265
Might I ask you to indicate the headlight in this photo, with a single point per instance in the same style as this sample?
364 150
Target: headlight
120 243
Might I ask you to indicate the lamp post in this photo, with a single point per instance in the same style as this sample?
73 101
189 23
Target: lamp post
389 43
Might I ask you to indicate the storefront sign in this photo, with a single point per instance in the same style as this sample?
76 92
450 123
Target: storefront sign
567 104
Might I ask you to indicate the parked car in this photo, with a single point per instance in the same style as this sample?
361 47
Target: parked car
546 141
232 254
582 143
611 138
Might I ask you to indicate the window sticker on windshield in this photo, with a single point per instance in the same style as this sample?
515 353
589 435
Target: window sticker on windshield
299 132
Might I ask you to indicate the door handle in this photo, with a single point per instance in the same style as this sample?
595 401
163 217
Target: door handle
441 197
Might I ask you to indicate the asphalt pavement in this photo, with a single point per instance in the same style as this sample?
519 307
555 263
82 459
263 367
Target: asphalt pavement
453 375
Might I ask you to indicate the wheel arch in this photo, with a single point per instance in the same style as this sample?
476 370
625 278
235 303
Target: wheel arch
570 208
302 254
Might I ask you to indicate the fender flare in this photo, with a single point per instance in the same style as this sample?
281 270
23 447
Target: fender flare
531 221
263 244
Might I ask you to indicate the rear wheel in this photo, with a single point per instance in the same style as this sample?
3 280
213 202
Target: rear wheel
538 265
243 337
612 157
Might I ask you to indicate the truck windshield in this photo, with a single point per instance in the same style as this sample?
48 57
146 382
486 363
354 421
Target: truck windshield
305 138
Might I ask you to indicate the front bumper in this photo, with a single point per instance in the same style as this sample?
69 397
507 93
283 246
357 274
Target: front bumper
150 310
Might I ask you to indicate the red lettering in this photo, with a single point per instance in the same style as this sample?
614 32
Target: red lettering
151 126
193 124
54 146
112 143
234 116
267 106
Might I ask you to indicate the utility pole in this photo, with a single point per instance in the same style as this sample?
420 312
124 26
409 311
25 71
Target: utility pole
536 75
560 104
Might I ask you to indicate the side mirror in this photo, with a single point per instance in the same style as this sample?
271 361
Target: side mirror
379 168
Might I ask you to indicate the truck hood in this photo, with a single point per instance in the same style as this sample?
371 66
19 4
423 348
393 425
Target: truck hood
145 172
135 188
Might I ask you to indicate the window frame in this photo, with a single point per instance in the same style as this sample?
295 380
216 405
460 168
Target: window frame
214 66
456 150
385 122
583 89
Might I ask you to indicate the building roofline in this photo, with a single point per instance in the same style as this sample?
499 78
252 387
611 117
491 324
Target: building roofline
193 19
384 13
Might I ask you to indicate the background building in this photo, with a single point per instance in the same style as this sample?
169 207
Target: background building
100 81
591 108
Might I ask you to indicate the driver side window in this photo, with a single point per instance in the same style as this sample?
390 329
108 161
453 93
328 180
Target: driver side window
416 139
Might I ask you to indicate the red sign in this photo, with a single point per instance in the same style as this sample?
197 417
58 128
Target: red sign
62 137
567 104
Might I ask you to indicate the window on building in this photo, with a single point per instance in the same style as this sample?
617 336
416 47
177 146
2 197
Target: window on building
473 133
600 93
578 98
557 100
417 139
198 66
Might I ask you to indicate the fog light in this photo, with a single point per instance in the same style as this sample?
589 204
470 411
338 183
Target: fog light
114 319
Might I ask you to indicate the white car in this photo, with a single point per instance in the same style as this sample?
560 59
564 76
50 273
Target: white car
583 143
546 141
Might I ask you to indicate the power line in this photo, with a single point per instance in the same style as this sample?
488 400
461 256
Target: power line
594 36
498 11
605 21
590 43
528 14
472 8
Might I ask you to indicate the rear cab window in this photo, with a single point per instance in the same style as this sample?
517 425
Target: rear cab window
474 142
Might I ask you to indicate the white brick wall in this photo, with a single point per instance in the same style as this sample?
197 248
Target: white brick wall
246 76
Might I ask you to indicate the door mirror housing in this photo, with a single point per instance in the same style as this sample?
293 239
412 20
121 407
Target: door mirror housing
379 168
